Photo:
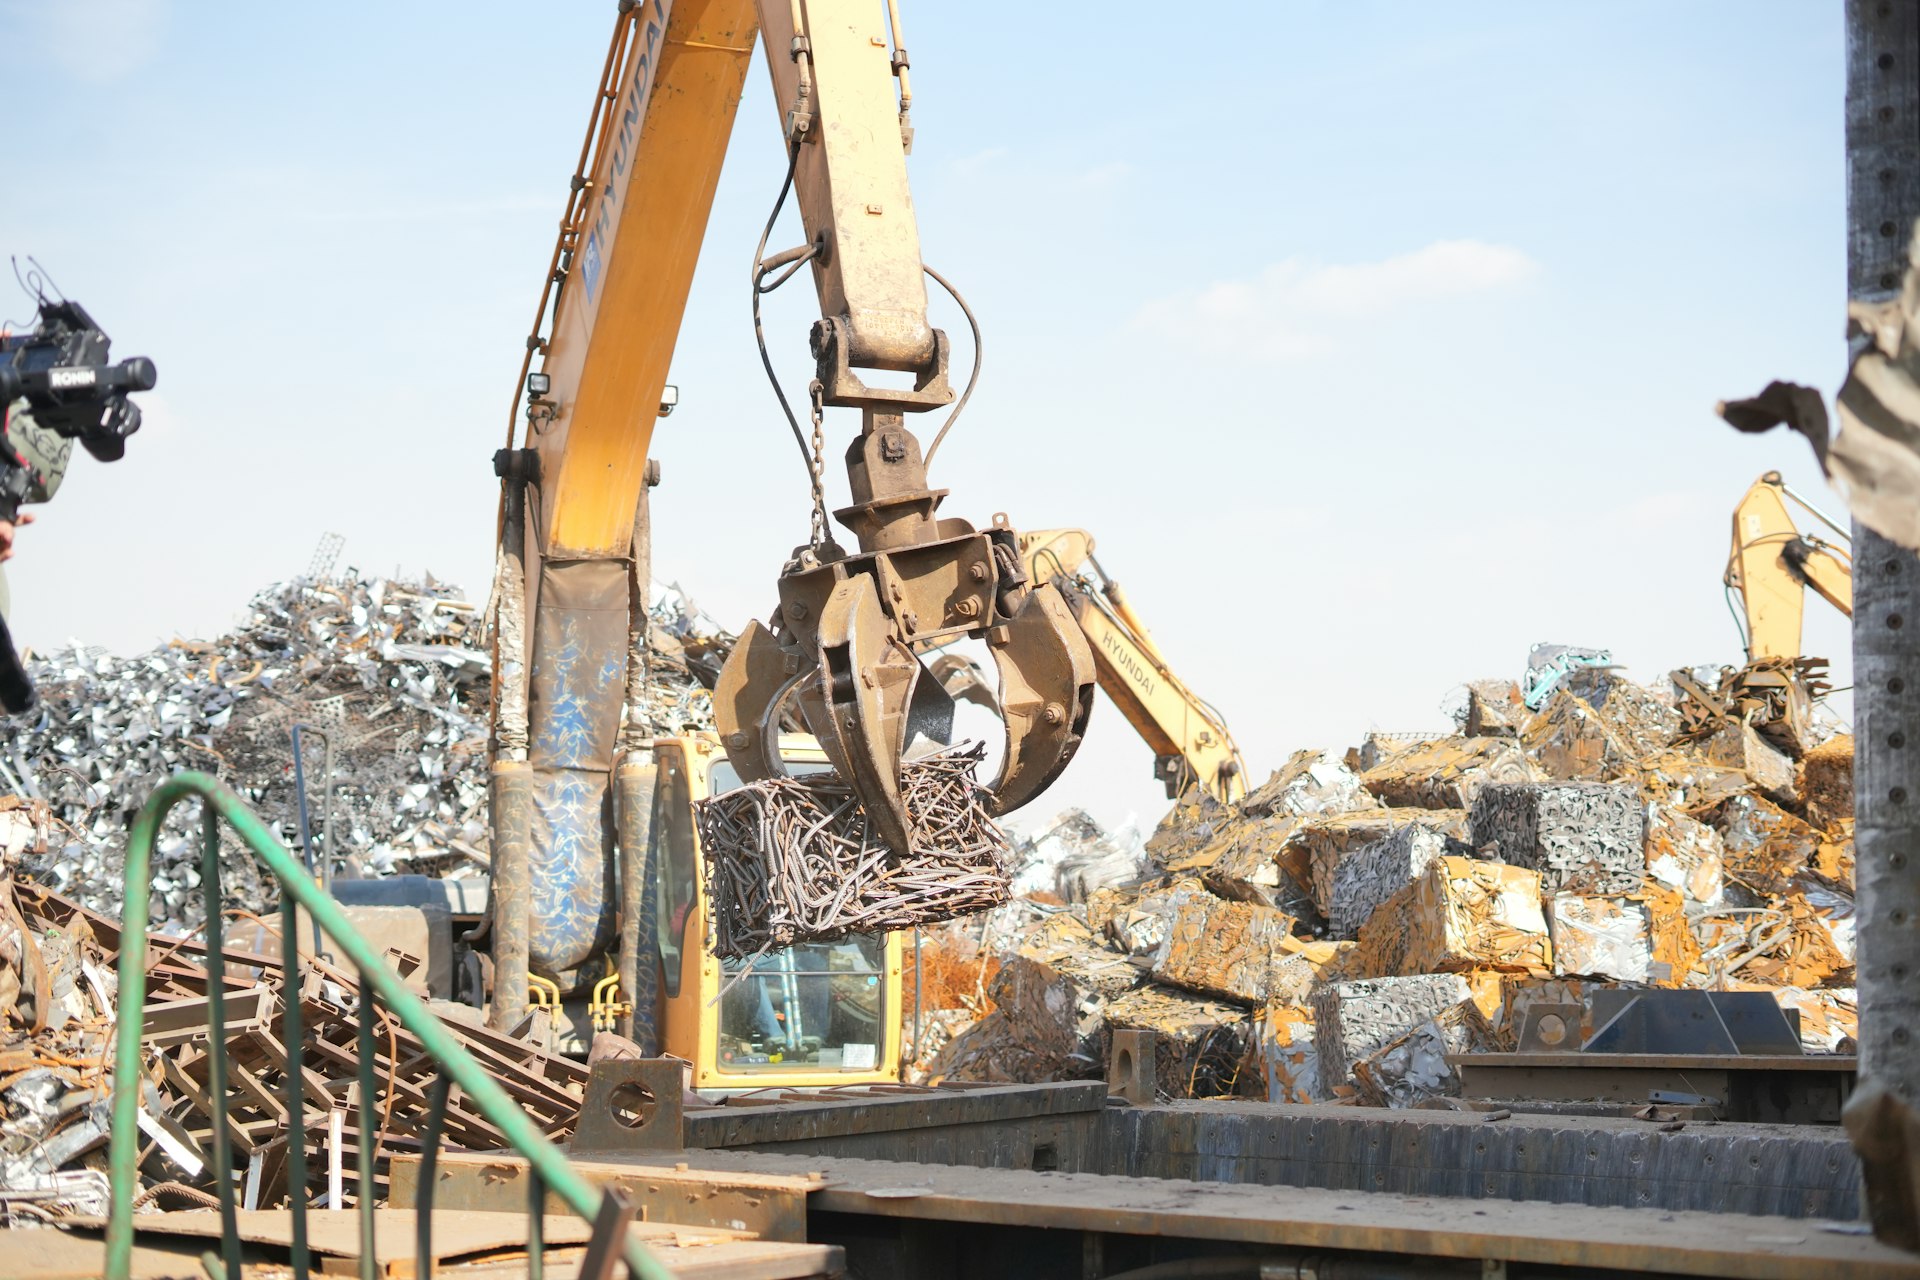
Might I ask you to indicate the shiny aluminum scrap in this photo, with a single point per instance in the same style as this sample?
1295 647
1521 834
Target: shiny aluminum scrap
392 670
792 860
384 668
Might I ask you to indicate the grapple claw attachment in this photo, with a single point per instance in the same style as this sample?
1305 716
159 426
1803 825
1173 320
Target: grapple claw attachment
851 628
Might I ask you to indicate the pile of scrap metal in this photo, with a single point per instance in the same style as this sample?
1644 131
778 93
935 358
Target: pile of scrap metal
387 678
57 990
1340 931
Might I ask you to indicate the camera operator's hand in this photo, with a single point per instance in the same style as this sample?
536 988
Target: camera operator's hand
7 530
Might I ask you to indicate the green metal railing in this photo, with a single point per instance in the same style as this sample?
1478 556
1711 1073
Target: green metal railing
548 1165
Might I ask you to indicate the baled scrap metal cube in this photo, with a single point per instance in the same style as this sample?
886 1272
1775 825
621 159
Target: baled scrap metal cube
1309 964
1766 847
1571 742
792 860
1738 745
1826 782
1447 773
1600 937
1366 878
1199 1045
1309 782
1266 863
1685 855
1106 905
1358 1018
1281 1055
1461 914
1645 719
1141 929
1045 1025
1059 1015
1193 834
1330 840
1069 945
1409 1070
1587 837
1494 709
1227 949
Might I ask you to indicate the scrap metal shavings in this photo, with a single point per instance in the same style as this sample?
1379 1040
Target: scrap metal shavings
790 860
685 651
392 672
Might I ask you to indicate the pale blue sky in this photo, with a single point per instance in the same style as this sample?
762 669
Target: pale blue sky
1373 341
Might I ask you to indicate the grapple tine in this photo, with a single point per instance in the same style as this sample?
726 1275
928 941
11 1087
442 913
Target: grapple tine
1046 693
746 702
860 714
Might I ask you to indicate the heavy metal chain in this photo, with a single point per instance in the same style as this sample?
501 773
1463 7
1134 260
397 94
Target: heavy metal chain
817 394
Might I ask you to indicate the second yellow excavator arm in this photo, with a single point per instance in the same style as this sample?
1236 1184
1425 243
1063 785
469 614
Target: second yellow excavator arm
1772 565
1189 738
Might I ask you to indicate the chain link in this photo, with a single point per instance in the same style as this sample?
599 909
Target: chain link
818 394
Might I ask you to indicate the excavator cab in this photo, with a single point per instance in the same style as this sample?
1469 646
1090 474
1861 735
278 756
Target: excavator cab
808 1016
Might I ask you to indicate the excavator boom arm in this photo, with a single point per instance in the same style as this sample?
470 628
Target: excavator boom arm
572 782
1772 564
1190 742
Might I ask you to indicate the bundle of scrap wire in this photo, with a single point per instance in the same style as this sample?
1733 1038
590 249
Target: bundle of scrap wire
790 860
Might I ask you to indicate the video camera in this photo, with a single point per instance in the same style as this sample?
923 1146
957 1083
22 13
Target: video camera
61 370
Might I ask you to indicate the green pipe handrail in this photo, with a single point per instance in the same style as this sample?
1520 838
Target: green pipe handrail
548 1165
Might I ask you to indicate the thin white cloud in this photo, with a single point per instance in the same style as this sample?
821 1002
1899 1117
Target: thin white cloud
97 41
1299 309
1102 175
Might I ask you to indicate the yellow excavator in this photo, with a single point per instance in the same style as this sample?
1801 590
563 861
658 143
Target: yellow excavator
595 904
1773 565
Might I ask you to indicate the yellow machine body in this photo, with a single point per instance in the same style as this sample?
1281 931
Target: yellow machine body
757 1032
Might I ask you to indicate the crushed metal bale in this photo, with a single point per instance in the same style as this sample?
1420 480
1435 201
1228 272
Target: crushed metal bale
791 860
1359 918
